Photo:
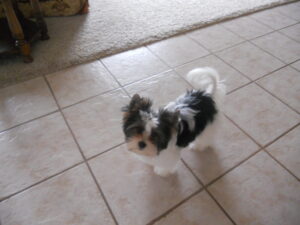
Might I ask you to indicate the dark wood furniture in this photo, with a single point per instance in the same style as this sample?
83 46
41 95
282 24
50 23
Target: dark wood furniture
23 31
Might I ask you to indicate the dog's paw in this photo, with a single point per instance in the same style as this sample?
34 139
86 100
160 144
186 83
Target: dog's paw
199 147
192 147
162 172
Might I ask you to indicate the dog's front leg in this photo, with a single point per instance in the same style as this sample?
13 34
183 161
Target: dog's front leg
163 172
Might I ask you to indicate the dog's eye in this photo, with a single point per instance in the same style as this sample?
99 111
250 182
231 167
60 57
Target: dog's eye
139 130
142 145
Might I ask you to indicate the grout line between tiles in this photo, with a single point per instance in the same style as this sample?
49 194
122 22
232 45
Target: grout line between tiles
286 104
41 181
255 80
205 189
259 36
272 7
94 96
240 87
236 33
220 50
107 150
249 136
181 202
234 123
269 53
214 53
173 69
28 121
220 206
182 78
245 40
239 43
274 29
175 207
250 80
280 31
101 193
264 50
207 25
281 164
154 53
113 76
122 86
293 1
262 147
295 67
83 156
161 74
280 136
268 74
232 168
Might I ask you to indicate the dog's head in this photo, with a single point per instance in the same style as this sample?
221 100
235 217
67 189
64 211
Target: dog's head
147 132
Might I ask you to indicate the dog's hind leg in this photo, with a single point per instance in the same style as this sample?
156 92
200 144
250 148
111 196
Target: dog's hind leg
206 138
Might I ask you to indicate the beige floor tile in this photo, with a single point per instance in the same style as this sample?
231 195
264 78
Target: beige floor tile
293 32
273 19
296 4
258 113
80 82
134 65
96 122
25 101
215 37
250 60
296 65
284 84
290 10
34 151
70 198
161 89
287 151
247 27
178 50
260 192
280 46
135 194
231 147
200 209
232 78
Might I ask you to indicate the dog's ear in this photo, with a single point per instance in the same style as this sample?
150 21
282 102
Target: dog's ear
136 97
133 101
138 103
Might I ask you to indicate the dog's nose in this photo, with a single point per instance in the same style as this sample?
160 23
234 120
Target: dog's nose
142 144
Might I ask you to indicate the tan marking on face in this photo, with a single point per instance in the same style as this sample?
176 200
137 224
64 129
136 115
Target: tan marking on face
149 150
126 116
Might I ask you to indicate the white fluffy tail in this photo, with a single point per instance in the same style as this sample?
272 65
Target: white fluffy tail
207 79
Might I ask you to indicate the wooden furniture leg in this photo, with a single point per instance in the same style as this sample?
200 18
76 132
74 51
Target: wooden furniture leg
17 31
39 19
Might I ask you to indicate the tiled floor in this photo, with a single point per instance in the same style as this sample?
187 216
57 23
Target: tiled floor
62 155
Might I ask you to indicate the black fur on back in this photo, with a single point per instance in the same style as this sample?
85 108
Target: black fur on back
161 135
206 111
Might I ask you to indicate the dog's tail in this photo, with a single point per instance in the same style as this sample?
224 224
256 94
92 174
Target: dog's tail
208 80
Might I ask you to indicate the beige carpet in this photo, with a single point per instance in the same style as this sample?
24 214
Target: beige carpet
116 25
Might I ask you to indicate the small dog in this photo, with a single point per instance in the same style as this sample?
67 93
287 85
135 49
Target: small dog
156 137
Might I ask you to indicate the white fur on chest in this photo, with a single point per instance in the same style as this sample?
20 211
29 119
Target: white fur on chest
167 158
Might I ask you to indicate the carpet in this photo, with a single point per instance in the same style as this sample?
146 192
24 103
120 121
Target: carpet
115 25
